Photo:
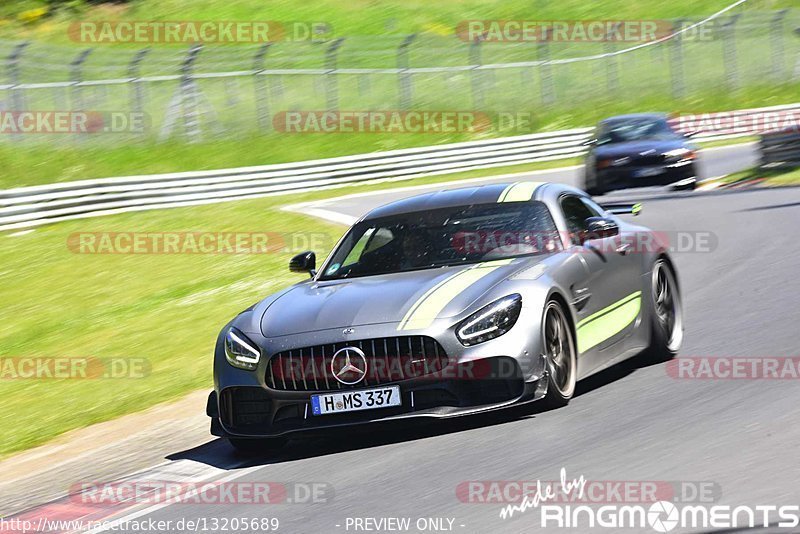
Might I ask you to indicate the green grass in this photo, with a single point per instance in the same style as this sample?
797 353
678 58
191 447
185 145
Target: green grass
766 177
360 16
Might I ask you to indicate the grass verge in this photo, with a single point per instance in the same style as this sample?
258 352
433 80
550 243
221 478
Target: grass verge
765 177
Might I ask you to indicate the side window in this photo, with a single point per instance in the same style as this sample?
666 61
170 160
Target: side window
372 240
596 210
358 249
576 211
380 238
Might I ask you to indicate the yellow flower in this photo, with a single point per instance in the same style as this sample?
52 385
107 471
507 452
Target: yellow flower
438 29
32 15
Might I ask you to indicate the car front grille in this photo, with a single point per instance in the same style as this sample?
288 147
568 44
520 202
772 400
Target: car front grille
389 359
245 407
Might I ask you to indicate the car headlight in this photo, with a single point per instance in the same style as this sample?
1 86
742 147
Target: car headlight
613 162
240 351
679 154
490 321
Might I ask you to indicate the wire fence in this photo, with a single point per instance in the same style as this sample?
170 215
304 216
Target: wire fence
199 92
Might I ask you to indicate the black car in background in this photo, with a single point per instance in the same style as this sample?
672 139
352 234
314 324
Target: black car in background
639 150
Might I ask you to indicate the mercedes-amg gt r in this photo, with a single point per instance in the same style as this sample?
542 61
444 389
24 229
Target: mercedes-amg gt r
449 303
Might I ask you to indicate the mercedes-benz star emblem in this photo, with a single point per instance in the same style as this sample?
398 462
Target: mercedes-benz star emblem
349 365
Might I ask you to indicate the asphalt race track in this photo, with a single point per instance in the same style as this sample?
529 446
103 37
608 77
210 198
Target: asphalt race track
633 422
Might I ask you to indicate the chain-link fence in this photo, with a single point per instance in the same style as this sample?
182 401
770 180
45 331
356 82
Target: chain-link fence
198 92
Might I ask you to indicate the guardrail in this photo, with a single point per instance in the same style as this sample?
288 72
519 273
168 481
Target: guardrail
33 206
780 149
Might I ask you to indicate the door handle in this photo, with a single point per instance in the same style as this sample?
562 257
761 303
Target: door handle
624 249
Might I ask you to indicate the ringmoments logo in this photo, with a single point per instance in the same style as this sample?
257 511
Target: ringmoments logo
660 516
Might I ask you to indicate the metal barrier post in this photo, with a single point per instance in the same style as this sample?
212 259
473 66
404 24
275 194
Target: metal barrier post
331 82
12 67
676 64
477 83
137 88
778 55
404 80
260 87
729 51
548 93
612 71
188 91
76 75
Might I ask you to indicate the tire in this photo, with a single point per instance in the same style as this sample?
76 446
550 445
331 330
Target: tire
590 176
255 447
666 321
560 354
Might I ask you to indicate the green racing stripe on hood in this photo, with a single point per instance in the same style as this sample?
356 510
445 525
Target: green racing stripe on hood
429 306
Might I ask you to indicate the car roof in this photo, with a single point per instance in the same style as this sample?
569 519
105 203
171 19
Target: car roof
464 196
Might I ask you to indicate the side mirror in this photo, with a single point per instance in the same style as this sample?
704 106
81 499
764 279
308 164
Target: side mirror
305 262
600 227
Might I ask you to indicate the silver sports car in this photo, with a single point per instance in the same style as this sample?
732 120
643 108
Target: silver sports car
445 304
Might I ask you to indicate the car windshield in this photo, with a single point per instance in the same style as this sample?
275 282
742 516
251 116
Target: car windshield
442 237
634 129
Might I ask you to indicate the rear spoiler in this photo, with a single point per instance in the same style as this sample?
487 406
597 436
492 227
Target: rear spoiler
623 208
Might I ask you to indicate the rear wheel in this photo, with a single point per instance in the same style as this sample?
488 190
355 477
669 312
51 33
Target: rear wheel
560 355
667 320
252 447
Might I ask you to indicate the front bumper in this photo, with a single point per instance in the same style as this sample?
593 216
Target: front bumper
625 177
507 370
256 411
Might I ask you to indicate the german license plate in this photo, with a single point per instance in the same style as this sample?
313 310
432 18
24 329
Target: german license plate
353 401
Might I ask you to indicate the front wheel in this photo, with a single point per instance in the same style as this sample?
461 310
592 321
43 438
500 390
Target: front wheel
560 355
667 321
252 447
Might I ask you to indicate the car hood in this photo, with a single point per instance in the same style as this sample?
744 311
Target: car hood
617 150
313 306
